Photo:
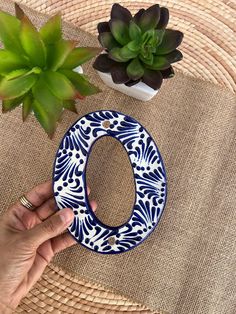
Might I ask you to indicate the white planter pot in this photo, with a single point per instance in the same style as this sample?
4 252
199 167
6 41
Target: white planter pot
79 70
139 91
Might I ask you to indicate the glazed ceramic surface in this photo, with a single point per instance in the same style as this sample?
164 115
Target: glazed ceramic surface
69 181
139 91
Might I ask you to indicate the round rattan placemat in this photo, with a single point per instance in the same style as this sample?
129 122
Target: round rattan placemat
209 51
58 292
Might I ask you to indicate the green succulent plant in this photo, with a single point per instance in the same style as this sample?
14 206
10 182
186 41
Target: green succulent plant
139 47
36 69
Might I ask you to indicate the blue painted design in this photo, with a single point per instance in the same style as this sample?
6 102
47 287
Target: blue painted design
69 182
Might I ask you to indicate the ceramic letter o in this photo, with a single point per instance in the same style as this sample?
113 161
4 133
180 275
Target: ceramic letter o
69 181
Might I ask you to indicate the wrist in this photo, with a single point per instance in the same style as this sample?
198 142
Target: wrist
4 309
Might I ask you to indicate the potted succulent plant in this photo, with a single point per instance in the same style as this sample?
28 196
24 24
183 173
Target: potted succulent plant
139 50
39 69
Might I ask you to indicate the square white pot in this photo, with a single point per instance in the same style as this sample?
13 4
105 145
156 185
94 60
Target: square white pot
139 91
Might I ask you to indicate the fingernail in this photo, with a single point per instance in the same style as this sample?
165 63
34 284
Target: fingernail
66 215
93 205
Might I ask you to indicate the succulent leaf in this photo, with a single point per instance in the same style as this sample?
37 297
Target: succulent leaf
114 54
120 13
132 82
27 105
51 31
32 43
151 37
107 40
120 31
79 96
70 105
170 41
79 56
127 53
119 74
134 45
43 95
135 69
16 73
152 78
58 53
159 33
134 31
47 107
81 84
164 18
16 87
10 61
138 15
150 18
167 73
174 56
46 119
159 63
19 12
103 27
10 104
145 60
103 63
9 32
59 85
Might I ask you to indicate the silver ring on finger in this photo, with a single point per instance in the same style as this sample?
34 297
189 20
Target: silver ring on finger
26 203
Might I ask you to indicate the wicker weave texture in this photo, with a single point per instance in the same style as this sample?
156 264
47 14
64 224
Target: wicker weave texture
209 45
58 292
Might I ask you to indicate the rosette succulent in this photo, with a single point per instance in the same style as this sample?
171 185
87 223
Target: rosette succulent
36 69
139 47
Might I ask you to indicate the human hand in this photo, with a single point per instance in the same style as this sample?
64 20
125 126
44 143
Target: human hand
28 242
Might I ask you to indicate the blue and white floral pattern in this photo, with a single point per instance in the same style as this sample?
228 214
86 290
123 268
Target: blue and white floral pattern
70 185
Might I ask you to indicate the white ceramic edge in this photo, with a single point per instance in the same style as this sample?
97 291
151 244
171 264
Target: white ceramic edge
139 91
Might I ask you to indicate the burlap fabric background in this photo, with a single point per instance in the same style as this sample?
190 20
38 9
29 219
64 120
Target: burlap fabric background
188 264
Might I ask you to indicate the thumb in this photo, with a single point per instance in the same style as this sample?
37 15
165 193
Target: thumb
51 227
